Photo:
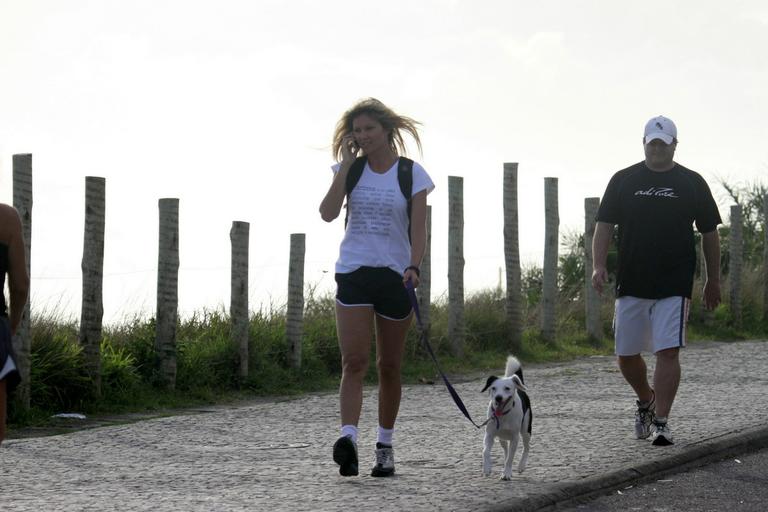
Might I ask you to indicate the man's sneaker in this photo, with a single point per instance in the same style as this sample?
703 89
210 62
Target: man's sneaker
385 461
662 436
345 455
644 416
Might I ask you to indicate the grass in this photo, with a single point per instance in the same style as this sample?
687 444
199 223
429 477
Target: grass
207 362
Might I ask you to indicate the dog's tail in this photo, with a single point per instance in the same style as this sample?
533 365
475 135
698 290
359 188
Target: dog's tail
514 368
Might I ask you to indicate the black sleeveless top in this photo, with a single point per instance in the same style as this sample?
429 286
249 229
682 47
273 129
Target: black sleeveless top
3 271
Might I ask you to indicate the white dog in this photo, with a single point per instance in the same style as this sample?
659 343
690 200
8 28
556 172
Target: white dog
509 417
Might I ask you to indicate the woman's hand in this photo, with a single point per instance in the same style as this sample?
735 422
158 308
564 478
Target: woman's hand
349 148
411 274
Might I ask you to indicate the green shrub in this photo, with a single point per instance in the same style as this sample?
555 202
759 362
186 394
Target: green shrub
58 380
137 338
119 374
206 355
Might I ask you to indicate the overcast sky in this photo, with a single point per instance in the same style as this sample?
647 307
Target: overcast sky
230 107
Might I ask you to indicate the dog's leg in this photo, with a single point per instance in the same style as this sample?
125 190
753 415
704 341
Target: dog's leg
526 443
487 446
509 452
526 447
505 446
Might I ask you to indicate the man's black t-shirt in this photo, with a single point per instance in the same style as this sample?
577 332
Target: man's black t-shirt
655 212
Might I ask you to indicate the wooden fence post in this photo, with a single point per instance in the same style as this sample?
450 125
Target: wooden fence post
92 311
513 301
456 325
22 201
423 292
551 239
591 297
295 312
736 248
167 290
765 258
238 298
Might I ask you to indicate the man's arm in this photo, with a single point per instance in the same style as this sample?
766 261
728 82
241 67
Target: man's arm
600 244
710 246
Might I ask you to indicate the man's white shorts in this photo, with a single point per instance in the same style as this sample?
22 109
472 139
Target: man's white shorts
649 325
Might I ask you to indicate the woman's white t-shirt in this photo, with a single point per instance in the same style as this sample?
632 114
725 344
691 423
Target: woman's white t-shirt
377 227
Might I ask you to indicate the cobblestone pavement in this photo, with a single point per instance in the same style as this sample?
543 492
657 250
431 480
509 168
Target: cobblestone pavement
276 455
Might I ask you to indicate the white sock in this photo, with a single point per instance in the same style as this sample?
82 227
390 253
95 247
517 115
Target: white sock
351 431
384 435
661 419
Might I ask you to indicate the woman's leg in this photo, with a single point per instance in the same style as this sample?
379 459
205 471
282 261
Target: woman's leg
390 345
354 326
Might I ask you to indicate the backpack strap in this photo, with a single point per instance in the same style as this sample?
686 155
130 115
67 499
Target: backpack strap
353 176
405 180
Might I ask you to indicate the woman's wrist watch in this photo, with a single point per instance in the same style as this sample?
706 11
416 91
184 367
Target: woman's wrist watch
414 268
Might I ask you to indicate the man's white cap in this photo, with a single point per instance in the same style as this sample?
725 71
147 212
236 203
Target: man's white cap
660 128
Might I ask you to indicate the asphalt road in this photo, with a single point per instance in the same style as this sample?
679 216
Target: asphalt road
735 484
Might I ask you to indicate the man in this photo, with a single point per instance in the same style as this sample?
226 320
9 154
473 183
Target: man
655 204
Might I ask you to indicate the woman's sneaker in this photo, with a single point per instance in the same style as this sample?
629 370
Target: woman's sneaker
644 416
385 461
662 436
345 455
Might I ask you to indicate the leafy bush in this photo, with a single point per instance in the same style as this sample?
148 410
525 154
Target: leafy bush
58 379
119 373
206 355
137 337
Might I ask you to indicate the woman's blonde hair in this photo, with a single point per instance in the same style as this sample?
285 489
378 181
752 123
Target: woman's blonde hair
390 121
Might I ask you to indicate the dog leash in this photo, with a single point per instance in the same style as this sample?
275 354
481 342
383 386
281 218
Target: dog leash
456 398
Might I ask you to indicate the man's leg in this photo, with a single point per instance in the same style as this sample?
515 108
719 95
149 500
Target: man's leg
635 372
666 379
632 328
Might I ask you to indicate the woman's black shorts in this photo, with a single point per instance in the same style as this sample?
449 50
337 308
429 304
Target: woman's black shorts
380 287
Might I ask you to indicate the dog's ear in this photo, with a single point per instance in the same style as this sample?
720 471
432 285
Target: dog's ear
519 383
488 383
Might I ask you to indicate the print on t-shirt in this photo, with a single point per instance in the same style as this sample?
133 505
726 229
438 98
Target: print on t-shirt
371 213
657 192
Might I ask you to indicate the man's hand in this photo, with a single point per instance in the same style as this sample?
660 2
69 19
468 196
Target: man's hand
599 278
711 294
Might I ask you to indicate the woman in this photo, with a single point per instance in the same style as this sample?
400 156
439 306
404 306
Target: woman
13 263
376 259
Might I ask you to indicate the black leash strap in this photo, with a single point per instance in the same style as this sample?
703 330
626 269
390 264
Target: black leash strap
425 341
